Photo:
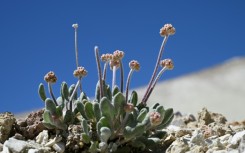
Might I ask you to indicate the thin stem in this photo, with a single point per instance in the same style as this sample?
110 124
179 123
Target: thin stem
155 82
73 93
76 48
123 123
128 82
52 94
80 85
155 70
96 50
122 75
114 69
104 71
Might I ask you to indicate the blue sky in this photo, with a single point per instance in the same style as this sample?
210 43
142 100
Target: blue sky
37 36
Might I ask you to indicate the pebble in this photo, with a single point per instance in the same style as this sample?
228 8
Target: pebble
15 146
237 137
59 147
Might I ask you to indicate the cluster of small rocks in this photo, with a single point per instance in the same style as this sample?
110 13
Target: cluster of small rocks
207 133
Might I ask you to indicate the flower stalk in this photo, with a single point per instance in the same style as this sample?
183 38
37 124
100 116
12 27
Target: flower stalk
51 78
166 64
144 100
165 32
96 50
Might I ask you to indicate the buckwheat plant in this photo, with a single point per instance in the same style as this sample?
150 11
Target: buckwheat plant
114 120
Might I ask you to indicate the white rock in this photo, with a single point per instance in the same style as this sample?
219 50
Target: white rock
173 128
225 138
15 146
220 151
34 151
237 137
5 150
53 141
197 138
42 137
59 147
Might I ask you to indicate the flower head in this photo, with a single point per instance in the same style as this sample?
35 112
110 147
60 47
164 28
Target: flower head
168 63
80 72
75 26
134 65
106 57
167 30
129 107
155 118
115 63
117 55
50 77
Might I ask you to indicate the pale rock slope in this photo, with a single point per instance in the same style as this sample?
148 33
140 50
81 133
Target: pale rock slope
221 89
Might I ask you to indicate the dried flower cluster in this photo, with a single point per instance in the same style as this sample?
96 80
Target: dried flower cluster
80 72
50 77
134 65
167 63
167 30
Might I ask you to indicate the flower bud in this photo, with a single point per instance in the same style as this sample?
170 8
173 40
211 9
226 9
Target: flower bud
50 77
155 118
129 107
80 72
114 63
118 55
106 57
75 26
168 63
134 65
167 30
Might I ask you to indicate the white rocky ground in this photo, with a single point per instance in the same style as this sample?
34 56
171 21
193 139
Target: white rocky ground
221 89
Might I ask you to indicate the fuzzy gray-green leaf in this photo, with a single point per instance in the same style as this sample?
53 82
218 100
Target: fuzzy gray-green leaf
89 110
107 108
85 138
65 91
97 91
97 112
47 118
71 89
59 110
85 126
80 107
134 98
49 105
168 117
104 122
115 90
48 125
130 133
155 105
142 114
161 111
93 147
131 122
105 134
60 101
41 92
119 102
108 91
68 117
